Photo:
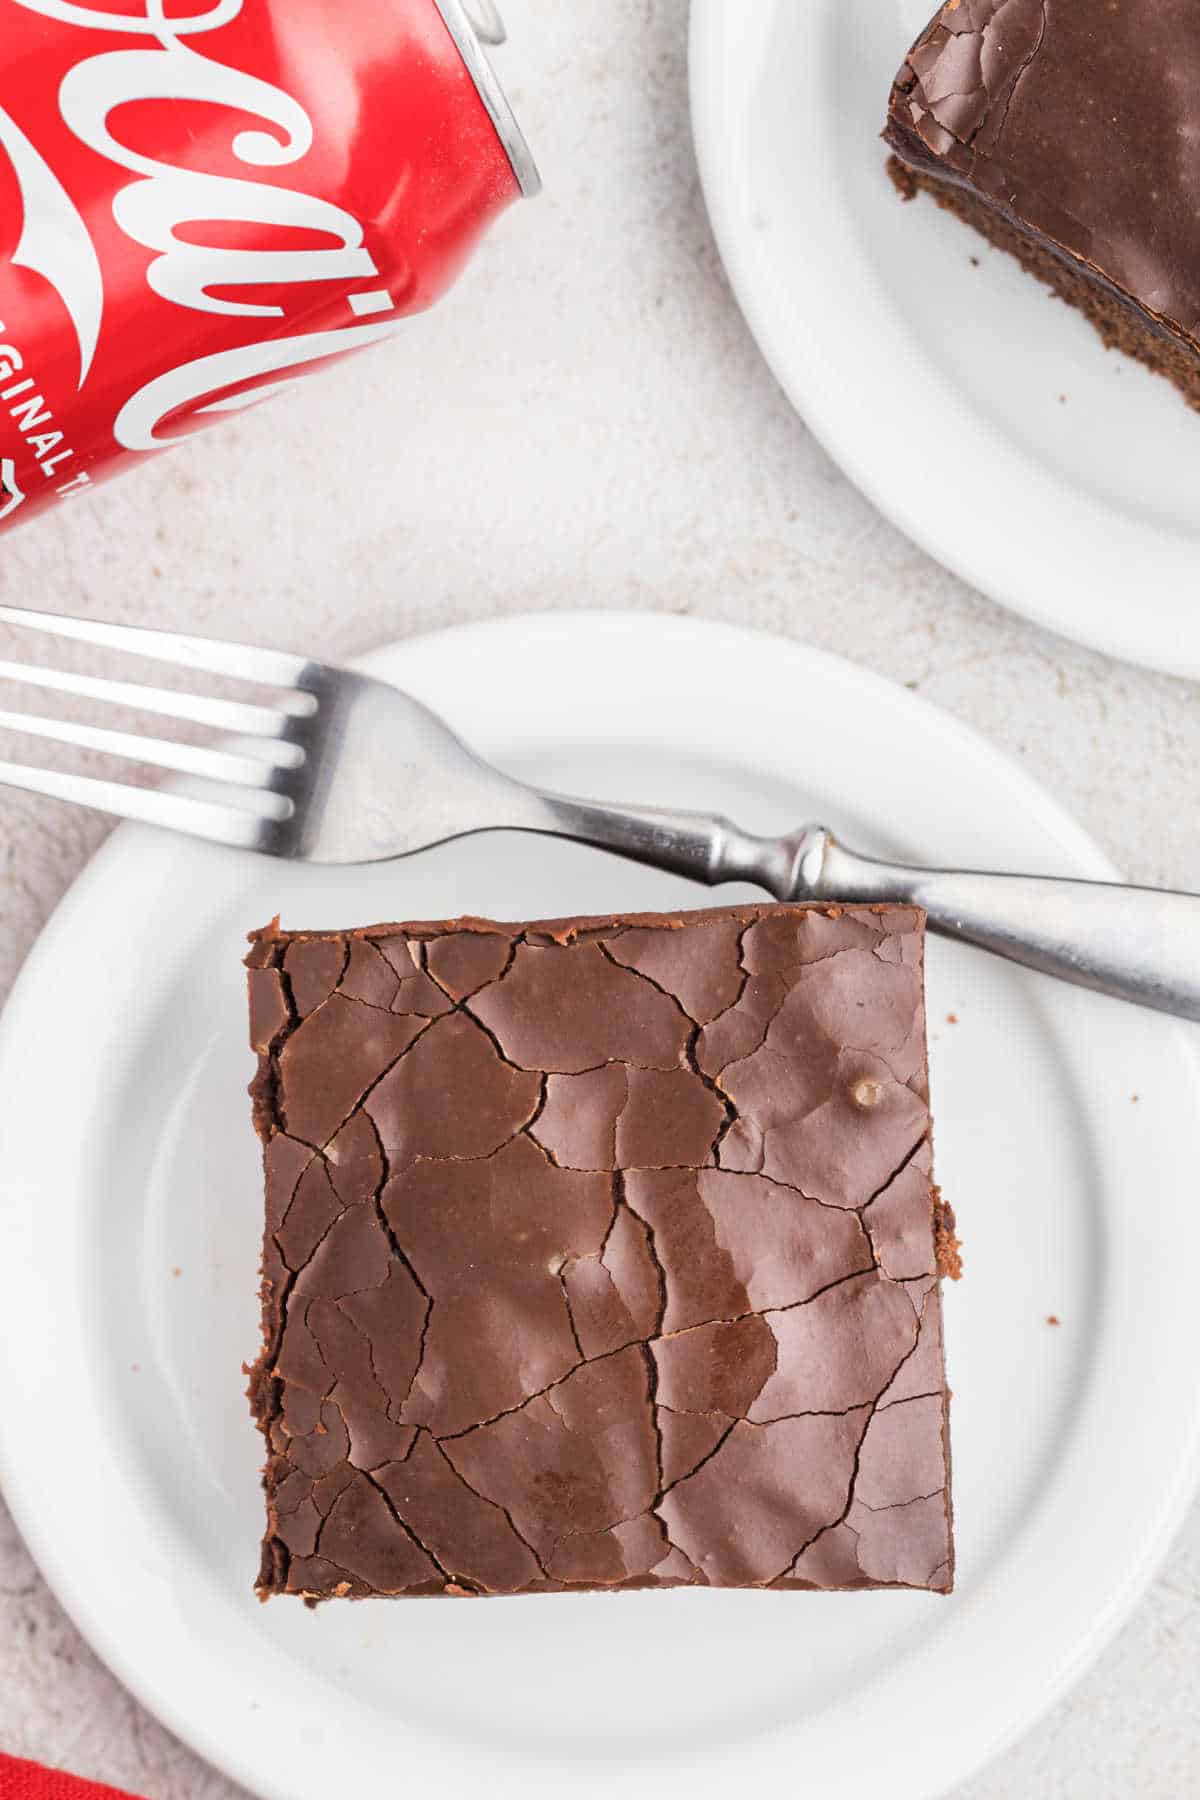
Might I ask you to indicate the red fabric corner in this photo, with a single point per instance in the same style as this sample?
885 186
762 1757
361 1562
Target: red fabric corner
29 1781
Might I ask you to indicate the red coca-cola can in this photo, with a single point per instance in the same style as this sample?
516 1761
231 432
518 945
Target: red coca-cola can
202 199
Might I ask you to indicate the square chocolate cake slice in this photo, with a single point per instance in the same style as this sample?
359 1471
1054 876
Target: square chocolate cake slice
1065 131
600 1253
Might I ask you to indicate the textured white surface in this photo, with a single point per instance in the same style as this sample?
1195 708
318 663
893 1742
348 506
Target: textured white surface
586 422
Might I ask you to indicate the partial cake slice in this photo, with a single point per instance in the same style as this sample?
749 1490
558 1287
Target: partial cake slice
1066 131
601 1253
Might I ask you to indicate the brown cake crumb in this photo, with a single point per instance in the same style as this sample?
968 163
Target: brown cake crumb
1053 1319
902 178
947 1247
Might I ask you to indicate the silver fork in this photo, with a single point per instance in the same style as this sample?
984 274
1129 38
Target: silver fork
341 768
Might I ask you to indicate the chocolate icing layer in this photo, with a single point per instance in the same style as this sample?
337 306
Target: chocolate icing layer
1077 121
599 1253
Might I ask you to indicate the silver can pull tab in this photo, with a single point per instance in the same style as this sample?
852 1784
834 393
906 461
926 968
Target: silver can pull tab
485 17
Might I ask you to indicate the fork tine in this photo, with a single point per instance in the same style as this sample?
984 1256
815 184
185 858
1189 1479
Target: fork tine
241 830
244 769
274 668
237 716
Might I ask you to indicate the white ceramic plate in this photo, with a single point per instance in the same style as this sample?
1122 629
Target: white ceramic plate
984 418
129 1227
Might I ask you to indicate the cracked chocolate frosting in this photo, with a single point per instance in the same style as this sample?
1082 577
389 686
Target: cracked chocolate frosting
1076 121
600 1254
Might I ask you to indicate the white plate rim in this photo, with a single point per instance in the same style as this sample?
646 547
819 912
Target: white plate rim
1121 587
695 646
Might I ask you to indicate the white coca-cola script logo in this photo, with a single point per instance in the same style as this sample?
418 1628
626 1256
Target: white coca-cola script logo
162 199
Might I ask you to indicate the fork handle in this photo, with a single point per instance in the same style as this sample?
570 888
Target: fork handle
701 846
1137 944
